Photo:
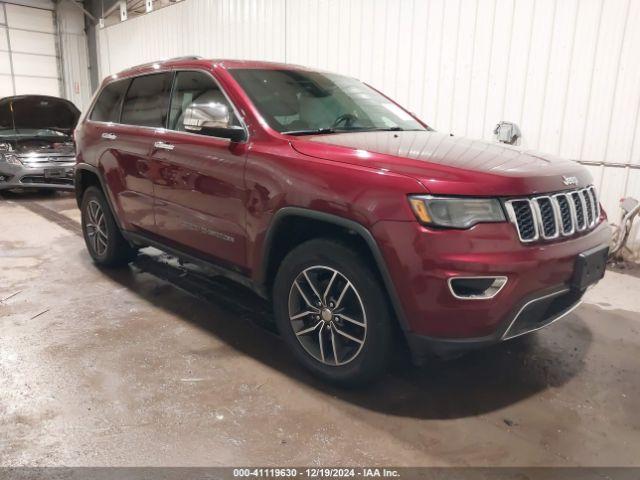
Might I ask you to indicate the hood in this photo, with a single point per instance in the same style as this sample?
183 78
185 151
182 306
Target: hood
449 165
38 112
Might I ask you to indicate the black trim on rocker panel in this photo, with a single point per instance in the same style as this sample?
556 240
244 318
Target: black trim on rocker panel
215 267
342 222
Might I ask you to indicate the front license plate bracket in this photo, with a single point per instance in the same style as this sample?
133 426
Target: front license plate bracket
589 267
54 172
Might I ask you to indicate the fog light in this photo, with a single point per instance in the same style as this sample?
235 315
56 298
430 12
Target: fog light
476 288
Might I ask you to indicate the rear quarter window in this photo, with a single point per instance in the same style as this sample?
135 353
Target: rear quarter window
107 107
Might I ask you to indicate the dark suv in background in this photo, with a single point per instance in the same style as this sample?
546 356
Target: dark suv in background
350 213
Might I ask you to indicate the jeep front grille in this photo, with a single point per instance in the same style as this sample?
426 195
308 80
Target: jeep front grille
548 217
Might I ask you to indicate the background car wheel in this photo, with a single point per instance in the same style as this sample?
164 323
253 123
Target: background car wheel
332 312
104 241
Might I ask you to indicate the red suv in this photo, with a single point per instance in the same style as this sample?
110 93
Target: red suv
351 214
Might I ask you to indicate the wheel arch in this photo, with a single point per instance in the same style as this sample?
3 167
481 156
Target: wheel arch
279 241
86 176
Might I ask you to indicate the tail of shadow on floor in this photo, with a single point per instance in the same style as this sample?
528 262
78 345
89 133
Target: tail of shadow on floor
477 383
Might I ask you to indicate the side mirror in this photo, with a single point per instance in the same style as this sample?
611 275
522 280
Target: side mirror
212 118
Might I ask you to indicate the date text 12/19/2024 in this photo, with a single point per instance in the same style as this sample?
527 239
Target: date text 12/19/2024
315 473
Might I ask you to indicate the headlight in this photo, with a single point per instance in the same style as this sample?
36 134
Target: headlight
456 212
10 158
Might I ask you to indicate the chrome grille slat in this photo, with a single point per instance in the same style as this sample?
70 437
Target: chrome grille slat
596 203
566 217
521 213
578 205
548 217
41 161
586 195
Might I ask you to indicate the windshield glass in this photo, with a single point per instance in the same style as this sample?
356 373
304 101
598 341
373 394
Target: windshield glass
29 132
299 102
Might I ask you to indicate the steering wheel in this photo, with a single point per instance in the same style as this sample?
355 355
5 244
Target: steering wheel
347 118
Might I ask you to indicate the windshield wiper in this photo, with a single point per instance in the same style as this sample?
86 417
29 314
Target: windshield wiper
319 131
313 131
387 129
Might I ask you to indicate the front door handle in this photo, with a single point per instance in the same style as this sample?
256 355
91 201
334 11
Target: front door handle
109 136
164 146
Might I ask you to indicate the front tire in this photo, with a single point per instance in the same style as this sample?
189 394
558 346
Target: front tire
332 312
102 236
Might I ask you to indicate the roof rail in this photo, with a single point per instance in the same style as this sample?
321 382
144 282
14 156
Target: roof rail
147 64
185 57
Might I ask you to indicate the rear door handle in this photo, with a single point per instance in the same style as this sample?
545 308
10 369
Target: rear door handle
109 136
164 146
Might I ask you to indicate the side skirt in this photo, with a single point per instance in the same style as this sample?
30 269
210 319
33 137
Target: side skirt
214 268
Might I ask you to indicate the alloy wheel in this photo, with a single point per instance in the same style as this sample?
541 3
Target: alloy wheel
96 228
327 315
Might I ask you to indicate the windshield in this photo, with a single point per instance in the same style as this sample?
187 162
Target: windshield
29 132
299 102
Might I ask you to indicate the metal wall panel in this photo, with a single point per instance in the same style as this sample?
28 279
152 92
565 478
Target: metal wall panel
211 28
4 44
566 71
26 41
37 86
26 64
28 51
6 87
37 19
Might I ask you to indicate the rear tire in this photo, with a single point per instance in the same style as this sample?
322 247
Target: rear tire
105 243
332 312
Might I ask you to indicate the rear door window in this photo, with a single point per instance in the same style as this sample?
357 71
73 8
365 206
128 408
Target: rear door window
107 107
147 101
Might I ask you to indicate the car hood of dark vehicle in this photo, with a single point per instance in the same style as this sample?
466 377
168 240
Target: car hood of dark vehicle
38 112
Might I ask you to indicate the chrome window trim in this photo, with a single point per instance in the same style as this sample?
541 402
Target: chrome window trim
513 219
481 277
161 129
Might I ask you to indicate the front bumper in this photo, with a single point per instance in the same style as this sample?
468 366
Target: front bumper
421 261
533 313
22 176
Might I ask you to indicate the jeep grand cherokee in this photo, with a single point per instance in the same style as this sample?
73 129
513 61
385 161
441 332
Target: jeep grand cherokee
350 213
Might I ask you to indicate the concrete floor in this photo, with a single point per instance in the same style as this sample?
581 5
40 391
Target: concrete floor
127 368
